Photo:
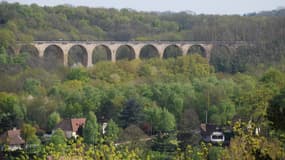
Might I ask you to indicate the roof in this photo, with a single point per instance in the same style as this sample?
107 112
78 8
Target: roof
71 124
77 122
12 137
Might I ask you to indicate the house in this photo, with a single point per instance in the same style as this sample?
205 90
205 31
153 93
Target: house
72 127
13 139
212 133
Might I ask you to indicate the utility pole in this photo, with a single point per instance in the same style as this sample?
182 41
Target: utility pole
208 104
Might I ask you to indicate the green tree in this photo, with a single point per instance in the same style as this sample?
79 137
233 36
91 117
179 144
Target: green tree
11 112
276 111
160 119
112 131
57 142
222 113
247 145
152 117
58 138
53 120
253 104
273 79
221 59
29 134
6 38
91 99
167 121
38 110
171 96
78 73
32 86
91 129
131 114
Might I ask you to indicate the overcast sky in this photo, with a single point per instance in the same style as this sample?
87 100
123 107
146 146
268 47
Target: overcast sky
198 6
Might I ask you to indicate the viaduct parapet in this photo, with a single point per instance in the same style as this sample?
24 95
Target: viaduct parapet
135 46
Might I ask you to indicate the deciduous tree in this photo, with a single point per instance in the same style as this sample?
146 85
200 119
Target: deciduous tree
91 129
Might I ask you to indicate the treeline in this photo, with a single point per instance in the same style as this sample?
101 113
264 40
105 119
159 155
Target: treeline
276 12
82 23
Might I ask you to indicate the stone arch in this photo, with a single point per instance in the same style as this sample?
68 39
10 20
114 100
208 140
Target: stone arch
221 58
101 56
31 54
241 57
29 49
197 48
172 50
53 55
226 47
125 52
148 51
77 54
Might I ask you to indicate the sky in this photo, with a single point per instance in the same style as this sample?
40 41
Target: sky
197 6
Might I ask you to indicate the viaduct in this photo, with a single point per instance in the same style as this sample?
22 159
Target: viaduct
135 47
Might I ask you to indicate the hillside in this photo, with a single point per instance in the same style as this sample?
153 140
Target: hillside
154 108
82 23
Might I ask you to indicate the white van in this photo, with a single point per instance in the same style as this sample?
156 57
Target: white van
217 137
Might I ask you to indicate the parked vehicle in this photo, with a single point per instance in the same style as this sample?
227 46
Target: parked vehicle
217 137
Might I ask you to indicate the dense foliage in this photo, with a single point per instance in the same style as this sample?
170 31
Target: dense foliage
147 103
172 97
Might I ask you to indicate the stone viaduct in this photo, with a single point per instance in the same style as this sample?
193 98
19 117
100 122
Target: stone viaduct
135 46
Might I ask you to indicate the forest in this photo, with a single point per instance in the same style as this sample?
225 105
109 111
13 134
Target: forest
147 104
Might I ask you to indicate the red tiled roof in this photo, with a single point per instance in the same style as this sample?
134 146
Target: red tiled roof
76 123
12 137
71 124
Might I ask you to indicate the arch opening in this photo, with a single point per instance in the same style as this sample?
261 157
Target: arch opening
101 53
53 57
125 52
243 57
172 51
29 49
31 54
221 58
149 51
197 49
77 55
